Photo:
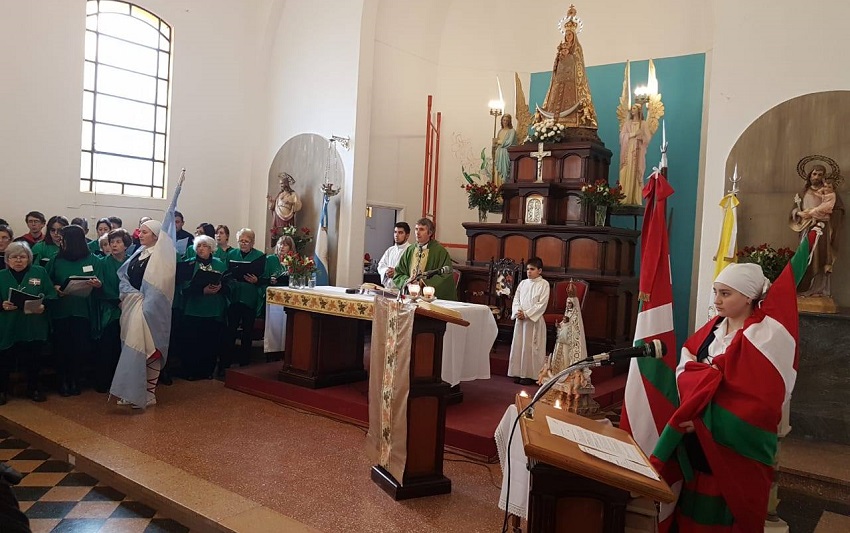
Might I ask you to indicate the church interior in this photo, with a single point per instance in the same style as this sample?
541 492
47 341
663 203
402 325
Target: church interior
392 108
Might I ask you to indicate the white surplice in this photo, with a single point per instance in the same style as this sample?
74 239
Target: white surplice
528 349
390 260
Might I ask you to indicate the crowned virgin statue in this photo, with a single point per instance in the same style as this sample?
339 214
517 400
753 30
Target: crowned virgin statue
568 100
575 391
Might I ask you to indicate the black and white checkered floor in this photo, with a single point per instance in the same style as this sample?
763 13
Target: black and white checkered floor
57 498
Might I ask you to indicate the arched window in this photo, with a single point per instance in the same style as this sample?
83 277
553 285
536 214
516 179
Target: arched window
125 100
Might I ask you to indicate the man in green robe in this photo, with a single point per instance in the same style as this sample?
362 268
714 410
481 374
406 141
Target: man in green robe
426 254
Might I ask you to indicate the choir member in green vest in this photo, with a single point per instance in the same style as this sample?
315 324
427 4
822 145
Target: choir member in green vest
244 299
72 314
426 254
204 228
109 310
23 334
204 312
276 271
222 239
47 249
6 236
102 228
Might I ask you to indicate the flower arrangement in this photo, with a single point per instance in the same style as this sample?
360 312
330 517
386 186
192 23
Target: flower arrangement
771 260
483 194
600 193
301 236
547 131
299 265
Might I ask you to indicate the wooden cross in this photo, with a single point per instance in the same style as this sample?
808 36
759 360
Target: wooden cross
539 155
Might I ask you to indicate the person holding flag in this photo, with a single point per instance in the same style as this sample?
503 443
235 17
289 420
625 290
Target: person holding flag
722 438
146 287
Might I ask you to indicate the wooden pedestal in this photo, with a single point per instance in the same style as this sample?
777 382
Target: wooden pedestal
426 416
322 350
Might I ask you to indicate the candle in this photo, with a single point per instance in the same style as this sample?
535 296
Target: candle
428 292
523 394
557 404
413 289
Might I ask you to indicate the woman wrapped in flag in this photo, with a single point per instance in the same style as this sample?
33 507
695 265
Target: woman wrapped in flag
146 285
734 375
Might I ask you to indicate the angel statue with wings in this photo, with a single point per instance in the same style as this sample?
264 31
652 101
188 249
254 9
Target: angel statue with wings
635 134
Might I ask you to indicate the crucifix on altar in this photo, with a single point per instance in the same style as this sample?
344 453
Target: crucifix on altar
540 155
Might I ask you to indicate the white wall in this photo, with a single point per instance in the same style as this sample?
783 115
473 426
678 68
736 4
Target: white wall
765 52
213 102
319 78
456 49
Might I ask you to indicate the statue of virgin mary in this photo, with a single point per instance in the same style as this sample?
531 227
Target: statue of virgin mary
568 99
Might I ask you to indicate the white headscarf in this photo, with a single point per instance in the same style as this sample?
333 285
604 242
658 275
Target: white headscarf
154 225
746 278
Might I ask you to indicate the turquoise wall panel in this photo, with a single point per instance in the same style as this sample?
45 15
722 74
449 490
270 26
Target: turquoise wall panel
680 81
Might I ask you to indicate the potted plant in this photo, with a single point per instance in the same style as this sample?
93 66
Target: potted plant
599 197
300 268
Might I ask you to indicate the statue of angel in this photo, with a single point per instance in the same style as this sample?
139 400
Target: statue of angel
635 134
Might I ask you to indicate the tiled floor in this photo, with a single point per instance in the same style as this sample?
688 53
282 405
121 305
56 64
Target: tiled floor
57 498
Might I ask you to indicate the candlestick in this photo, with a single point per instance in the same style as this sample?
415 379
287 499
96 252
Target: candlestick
413 289
428 292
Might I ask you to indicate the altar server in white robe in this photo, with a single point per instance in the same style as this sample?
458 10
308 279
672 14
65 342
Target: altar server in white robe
388 262
528 349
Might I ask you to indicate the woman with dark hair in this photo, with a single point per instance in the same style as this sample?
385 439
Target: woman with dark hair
72 312
22 335
47 249
6 236
108 334
222 238
102 228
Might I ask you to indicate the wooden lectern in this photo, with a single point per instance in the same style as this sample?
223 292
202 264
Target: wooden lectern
572 490
426 412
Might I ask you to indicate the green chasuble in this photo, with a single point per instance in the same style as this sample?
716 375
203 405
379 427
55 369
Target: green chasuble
107 299
15 326
43 252
437 256
241 291
198 304
60 270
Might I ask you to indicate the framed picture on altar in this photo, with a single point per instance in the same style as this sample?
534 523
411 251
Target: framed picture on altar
534 209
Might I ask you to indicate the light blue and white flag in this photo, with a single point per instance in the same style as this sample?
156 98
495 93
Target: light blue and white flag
321 254
146 313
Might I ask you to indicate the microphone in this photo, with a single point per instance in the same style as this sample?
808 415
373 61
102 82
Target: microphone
428 274
655 349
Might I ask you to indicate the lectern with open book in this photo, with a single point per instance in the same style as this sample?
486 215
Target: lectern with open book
572 488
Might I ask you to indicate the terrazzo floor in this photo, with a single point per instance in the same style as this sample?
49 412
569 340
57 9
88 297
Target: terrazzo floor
303 466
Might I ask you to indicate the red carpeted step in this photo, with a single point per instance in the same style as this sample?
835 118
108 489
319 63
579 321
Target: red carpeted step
470 425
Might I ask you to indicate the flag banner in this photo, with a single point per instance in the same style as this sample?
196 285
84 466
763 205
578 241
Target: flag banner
321 253
651 397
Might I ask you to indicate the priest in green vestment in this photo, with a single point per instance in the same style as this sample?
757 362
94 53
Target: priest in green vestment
426 254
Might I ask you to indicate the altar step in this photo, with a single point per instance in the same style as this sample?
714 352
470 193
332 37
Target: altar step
814 468
470 425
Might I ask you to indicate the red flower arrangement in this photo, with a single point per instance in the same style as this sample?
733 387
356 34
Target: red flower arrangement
600 193
771 260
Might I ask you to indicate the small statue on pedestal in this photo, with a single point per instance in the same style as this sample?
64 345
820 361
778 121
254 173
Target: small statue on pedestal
575 392
818 202
284 205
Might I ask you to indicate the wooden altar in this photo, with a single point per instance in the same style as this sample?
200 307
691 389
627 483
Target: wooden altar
564 239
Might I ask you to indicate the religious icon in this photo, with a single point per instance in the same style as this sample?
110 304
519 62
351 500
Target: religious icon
819 203
534 209
285 204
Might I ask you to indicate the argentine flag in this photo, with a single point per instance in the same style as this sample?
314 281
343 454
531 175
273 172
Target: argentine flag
321 254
